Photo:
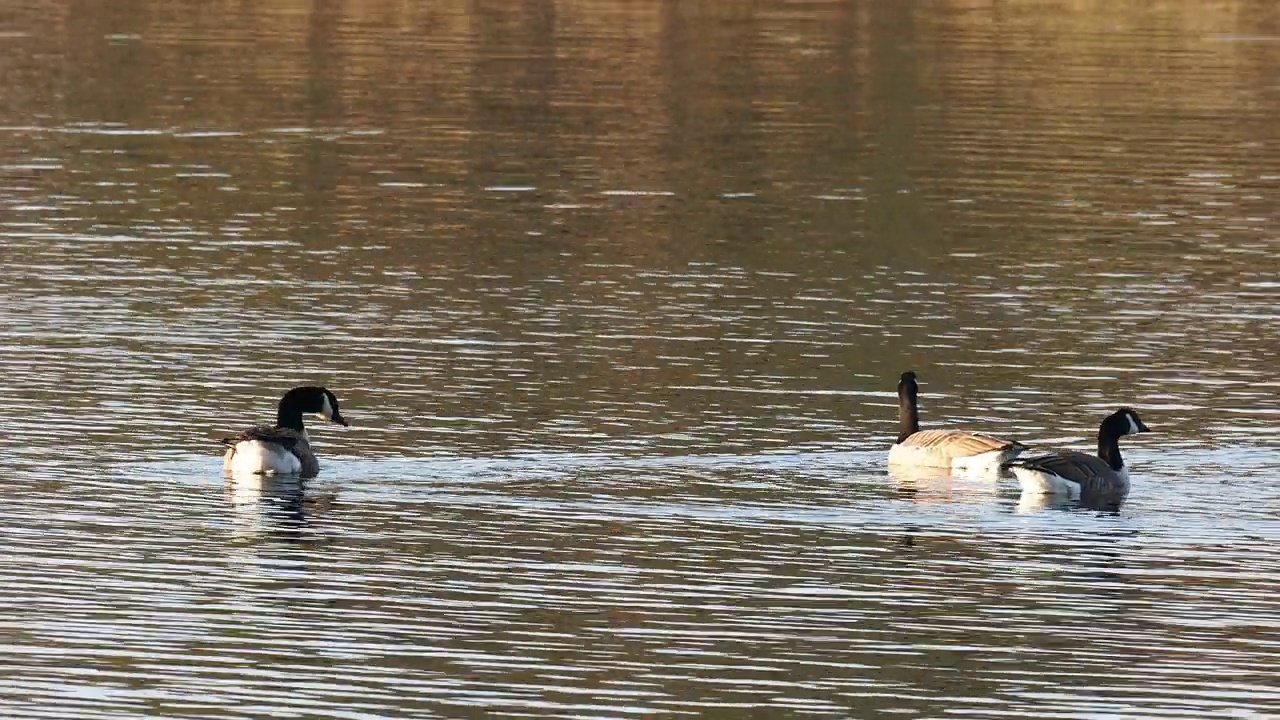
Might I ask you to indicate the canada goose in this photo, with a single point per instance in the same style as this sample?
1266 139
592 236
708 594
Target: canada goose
283 448
956 450
1080 475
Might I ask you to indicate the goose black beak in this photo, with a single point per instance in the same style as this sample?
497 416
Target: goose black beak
341 421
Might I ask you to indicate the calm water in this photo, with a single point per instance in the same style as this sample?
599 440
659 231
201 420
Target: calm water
615 296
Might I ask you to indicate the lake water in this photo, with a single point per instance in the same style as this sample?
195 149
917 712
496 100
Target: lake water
615 296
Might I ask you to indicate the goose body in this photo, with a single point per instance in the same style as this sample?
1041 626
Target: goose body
956 450
283 448
270 450
1079 475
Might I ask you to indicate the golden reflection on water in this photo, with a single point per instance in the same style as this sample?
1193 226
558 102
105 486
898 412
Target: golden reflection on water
616 294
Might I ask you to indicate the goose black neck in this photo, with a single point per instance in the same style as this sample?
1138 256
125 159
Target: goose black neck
1109 449
289 414
908 412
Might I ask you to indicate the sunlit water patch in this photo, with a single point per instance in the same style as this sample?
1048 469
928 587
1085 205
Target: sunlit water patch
633 584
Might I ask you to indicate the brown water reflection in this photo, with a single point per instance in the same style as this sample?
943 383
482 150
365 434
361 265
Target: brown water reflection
616 294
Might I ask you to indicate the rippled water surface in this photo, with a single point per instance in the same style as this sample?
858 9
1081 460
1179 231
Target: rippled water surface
615 296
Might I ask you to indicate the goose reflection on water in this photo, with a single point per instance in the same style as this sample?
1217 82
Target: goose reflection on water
278 506
1031 502
931 484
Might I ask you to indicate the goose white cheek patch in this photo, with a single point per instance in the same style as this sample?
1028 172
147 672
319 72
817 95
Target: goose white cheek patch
1133 426
326 410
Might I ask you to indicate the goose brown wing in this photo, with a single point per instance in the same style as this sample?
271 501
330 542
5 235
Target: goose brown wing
1077 467
282 436
957 443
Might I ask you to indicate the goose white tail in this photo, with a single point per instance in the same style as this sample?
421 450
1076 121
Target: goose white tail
1038 482
262 458
988 461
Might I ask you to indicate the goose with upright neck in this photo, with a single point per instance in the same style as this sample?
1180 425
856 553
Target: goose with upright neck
1079 475
283 448
952 450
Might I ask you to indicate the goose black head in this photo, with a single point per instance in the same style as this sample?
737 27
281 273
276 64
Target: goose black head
907 384
309 399
1124 421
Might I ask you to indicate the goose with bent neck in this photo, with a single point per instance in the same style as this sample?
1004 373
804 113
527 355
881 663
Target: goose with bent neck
283 448
1080 475
953 450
